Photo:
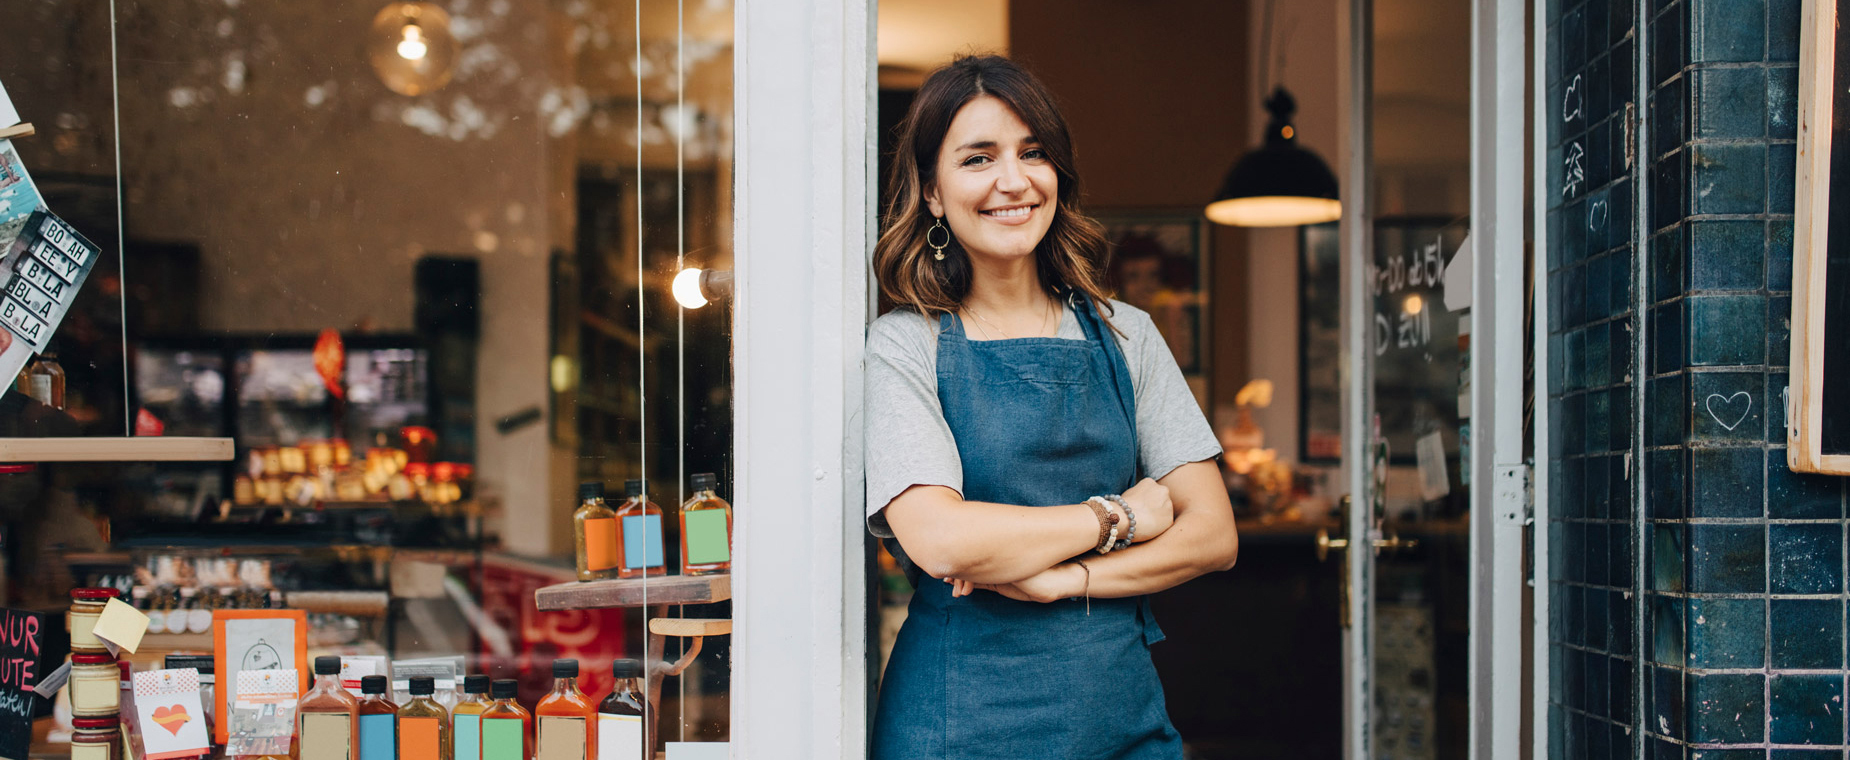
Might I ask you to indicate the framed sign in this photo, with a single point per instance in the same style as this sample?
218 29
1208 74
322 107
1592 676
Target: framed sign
1159 263
252 640
1818 401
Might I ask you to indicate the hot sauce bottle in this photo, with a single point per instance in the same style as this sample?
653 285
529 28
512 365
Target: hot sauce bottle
466 718
327 726
595 527
378 721
619 717
506 730
640 521
423 724
567 718
706 530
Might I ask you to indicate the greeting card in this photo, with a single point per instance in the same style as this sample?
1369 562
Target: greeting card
171 717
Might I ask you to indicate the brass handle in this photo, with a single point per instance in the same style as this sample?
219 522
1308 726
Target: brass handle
1394 544
1325 544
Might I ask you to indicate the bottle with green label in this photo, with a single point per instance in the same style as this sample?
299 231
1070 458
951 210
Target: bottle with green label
466 718
378 721
423 724
639 523
706 529
619 717
507 728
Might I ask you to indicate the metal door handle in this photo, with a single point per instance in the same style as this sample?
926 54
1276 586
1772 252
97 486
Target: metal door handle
1325 544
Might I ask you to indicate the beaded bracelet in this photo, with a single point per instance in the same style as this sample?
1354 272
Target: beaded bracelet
1131 534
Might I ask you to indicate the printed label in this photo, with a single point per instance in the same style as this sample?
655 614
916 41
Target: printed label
89 751
468 737
707 541
418 738
642 541
600 543
503 739
378 737
562 738
619 737
327 736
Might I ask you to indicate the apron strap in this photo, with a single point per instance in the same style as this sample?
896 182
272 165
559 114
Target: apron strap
1096 329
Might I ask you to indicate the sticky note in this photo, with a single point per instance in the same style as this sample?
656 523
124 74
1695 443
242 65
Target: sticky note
418 738
468 737
707 541
562 738
327 736
642 541
619 737
378 737
121 625
504 739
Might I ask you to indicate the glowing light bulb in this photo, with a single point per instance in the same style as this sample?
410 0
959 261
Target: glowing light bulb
1414 303
687 289
411 45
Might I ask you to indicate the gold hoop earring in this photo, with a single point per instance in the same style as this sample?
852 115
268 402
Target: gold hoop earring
938 248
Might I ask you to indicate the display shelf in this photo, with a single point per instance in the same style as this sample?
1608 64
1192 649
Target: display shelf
686 627
635 592
138 449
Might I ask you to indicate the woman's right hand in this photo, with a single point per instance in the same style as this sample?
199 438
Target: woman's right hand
1155 512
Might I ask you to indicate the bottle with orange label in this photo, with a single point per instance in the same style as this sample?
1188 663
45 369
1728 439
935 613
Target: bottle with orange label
423 725
595 527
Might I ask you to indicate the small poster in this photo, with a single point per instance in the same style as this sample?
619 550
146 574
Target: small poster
1435 482
170 716
42 269
21 636
263 717
266 641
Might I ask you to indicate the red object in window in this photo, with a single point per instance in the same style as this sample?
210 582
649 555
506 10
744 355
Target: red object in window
331 361
146 424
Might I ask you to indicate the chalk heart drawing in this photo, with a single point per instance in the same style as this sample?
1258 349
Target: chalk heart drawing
1727 408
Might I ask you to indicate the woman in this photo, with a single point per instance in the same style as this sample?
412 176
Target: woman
1030 443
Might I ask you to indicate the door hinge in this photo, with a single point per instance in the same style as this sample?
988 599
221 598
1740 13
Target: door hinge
1514 500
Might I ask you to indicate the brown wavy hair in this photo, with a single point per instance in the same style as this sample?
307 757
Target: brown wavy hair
1073 254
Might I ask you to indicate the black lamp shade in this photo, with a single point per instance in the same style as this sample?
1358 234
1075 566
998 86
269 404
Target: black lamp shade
1278 184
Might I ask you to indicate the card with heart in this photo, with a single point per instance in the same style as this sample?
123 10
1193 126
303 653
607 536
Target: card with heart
171 718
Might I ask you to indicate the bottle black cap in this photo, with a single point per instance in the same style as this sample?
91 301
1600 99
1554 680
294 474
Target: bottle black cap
475 684
632 488
423 686
564 668
626 668
372 684
590 491
203 663
505 688
704 481
327 665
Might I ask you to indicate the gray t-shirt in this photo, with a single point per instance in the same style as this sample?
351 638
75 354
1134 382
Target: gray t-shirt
909 443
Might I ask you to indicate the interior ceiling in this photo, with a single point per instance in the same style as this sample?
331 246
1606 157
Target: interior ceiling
916 36
1422 82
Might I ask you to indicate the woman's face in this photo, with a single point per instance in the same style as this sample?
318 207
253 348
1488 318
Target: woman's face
996 188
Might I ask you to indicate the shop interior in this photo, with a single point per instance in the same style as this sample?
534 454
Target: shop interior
427 301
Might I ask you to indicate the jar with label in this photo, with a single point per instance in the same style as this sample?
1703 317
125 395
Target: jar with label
96 689
86 608
97 744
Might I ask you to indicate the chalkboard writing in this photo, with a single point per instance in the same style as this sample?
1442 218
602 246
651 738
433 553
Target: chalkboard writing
22 635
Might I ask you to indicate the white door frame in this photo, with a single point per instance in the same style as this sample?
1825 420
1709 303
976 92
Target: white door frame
803 230
1354 84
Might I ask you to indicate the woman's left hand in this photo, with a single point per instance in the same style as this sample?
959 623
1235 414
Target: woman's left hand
1058 582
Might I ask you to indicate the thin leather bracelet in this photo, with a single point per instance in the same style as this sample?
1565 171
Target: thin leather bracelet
1087 592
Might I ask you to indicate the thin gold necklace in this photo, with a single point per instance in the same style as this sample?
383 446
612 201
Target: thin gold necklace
973 312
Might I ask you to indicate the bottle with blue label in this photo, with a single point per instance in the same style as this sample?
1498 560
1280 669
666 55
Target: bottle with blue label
466 718
639 523
378 721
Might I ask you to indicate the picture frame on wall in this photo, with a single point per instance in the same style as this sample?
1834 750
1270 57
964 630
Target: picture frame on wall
255 640
1159 263
1817 402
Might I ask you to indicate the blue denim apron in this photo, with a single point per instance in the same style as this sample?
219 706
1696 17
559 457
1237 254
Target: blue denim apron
1039 422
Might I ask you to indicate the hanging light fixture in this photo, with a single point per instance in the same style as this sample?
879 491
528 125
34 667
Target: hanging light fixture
411 48
1277 184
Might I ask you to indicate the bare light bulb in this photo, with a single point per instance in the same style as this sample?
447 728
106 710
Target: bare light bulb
411 45
1414 303
687 289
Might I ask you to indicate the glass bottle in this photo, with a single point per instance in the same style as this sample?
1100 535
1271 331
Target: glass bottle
567 718
378 720
466 718
423 724
620 726
326 723
43 380
706 530
595 527
640 529
506 726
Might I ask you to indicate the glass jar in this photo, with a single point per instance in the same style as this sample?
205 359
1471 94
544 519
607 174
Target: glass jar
96 689
86 608
102 744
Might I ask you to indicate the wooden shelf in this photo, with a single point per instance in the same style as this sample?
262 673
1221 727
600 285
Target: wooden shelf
139 449
685 627
635 592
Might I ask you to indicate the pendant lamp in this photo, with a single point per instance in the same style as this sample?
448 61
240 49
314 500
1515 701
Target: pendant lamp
1277 184
411 48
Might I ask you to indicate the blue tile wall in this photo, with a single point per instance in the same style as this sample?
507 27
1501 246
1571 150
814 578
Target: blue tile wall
1740 602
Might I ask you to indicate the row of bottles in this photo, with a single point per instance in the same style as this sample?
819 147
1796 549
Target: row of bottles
488 724
626 542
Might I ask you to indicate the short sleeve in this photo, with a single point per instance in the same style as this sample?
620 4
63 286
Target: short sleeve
908 442
1171 429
